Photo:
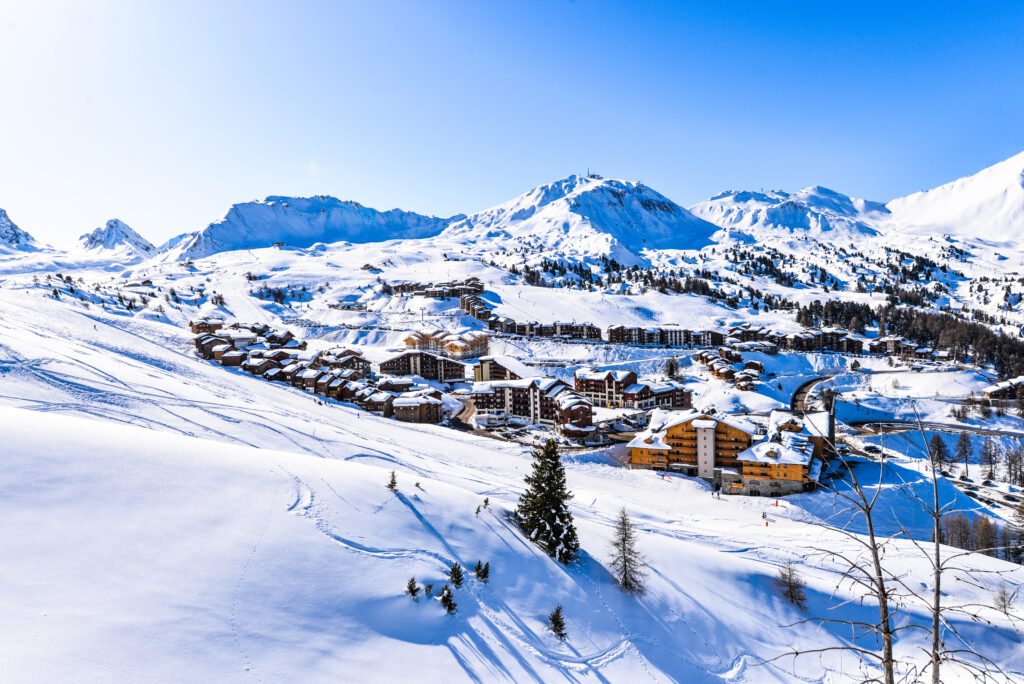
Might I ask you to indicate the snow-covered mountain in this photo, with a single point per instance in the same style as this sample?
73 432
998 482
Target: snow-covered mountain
815 211
586 217
988 205
13 239
117 236
302 222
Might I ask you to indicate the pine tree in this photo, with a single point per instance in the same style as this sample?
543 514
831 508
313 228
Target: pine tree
485 573
447 600
963 451
940 454
556 623
791 585
478 568
543 512
627 563
393 482
672 368
412 588
428 590
456 575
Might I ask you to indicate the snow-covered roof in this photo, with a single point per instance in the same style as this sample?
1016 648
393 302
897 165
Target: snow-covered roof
513 365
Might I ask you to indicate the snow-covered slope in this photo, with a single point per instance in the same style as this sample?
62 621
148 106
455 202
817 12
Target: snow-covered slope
988 205
13 239
301 222
116 236
584 218
815 211
164 518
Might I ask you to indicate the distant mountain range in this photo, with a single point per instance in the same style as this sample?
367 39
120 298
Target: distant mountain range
591 217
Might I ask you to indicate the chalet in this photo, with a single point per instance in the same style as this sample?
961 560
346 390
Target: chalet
338 359
381 403
425 365
206 325
274 375
646 394
1007 389
603 388
501 368
257 365
693 443
289 372
538 401
396 385
279 338
464 345
206 342
218 350
307 378
232 358
417 407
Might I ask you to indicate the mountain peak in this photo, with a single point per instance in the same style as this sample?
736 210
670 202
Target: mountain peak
815 211
589 217
116 235
13 238
302 222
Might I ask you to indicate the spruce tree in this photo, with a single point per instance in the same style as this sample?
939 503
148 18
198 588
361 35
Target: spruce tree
428 590
456 575
393 482
543 512
485 573
627 563
412 588
556 623
963 451
447 600
478 568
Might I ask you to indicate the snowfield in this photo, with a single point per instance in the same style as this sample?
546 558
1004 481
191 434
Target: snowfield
168 519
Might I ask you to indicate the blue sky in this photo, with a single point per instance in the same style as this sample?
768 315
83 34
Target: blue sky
163 114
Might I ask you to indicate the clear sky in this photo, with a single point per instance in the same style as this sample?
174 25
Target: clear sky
164 114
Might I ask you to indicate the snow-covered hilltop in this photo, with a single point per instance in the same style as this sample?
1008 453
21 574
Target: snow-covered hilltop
13 239
117 236
988 205
302 222
815 211
582 218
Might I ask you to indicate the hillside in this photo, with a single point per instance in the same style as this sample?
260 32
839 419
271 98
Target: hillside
987 206
219 527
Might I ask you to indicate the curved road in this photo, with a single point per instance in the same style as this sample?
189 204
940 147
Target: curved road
799 400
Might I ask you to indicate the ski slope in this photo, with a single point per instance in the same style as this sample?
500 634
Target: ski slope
168 519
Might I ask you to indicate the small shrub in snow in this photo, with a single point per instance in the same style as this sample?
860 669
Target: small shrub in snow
393 482
556 623
791 585
428 590
447 600
456 575
412 588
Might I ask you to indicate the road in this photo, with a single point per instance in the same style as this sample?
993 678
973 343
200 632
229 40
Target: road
799 400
